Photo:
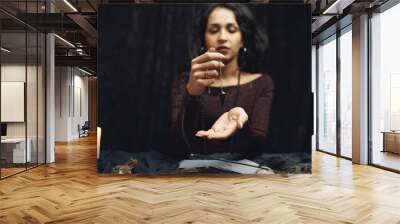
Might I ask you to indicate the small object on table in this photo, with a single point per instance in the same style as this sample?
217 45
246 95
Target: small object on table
126 168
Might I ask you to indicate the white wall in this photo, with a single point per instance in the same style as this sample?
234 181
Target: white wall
33 127
13 73
9 73
71 102
80 112
62 78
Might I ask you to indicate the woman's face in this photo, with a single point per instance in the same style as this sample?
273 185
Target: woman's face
223 33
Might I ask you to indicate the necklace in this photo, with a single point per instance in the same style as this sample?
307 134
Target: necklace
222 93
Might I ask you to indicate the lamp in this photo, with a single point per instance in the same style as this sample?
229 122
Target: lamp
5 50
65 41
337 7
70 5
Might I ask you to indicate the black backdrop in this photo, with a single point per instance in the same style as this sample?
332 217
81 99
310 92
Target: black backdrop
142 47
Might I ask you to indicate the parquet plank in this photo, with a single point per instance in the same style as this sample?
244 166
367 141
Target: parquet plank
71 191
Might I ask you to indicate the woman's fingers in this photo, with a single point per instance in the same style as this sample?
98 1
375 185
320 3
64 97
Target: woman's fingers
242 119
225 125
208 65
220 135
217 135
239 115
208 56
204 70
239 121
206 134
209 74
203 133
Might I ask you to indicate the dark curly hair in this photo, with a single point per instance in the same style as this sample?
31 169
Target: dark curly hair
254 38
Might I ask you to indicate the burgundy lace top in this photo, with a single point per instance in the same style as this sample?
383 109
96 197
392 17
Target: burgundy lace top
191 114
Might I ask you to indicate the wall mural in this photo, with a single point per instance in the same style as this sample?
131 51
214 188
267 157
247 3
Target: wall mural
204 88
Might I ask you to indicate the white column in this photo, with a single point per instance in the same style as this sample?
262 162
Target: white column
50 93
314 90
360 90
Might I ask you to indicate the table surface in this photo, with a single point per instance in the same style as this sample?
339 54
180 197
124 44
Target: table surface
391 132
13 140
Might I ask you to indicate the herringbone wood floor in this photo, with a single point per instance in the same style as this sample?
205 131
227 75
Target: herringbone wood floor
70 191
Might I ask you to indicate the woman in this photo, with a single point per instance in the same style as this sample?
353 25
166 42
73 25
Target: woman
222 106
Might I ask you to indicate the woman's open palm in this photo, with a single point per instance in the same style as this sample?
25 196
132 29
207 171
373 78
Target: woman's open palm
226 125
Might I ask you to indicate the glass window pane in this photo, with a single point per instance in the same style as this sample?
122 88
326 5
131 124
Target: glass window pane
346 94
41 98
327 96
22 74
31 101
385 87
13 86
313 87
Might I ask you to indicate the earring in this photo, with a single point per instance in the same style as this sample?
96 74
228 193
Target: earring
244 49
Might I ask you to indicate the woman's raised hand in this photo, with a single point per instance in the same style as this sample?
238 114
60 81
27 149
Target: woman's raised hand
227 124
204 71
